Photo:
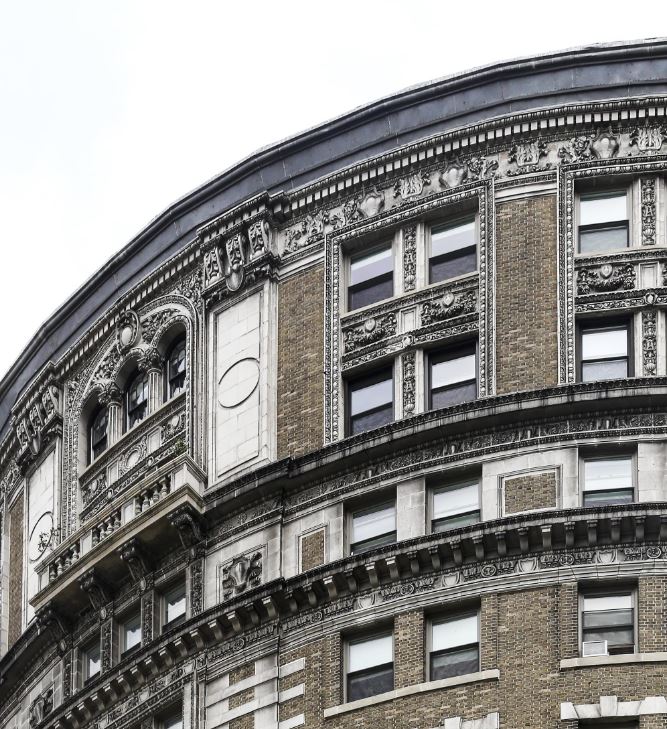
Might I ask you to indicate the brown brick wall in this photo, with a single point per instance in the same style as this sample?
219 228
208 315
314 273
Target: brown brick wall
241 698
15 569
243 722
301 363
526 294
240 673
409 648
525 493
652 604
568 619
488 632
312 550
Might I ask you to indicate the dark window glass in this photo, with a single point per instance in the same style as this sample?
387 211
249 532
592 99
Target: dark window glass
454 647
137 400
176 368
370 401
98 433
603 223
175 721
453 250
610 618
373 528
608 481
371 278
455 506
452 376
370 668
604 352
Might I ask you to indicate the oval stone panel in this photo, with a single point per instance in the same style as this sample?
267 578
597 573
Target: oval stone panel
238 383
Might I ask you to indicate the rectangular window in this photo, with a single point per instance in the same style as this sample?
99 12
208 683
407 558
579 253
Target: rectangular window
371 278
173 721
370 401
603 221
605 352
173 601
455 506
370 666
92 661
454 646
373 527
609 618
452 376
131 632
453 250
608 481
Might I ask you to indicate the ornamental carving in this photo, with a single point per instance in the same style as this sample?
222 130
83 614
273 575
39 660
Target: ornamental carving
241 574
412 186
196 586
154 322
605 145
578 149
36 418
450 305
259 237
149 359
92 584
649 343
234 271
648 211
127 331
472 169
190 287
606 278
41 707
212 266
362 206
409 383
187 522
409 258
372 330
311 230
526 157
648 139
132 554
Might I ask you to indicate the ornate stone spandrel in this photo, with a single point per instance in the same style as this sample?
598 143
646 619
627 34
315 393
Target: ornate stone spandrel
242 573
648 211
607 277
649 342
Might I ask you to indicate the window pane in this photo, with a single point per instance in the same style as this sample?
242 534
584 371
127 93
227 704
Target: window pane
373 523
621 601
607 498
613 636
604 370
371 652
454 522
607 473
368 267
447 239
370 683
443 269
605 239
603 208
455 663
452 371
376 419
132 630
174 722
605 344
456 500
453 395
175 603
93 661
607 618
377 290
369 397
454 633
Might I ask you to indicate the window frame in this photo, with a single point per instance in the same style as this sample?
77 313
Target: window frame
144 405
180 340
440 617
438 353
451 484
123 622
359 510
601 590
362 637
607 454
164 592
85 651
452 222
374 376
355 255
605 192
92 457
601 324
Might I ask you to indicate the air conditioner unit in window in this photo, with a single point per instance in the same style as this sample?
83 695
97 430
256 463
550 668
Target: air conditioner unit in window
594 648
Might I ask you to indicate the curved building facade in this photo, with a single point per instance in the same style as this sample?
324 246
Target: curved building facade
369 431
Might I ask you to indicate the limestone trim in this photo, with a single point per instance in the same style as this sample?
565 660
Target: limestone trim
492 674
610 706
619 660
490 721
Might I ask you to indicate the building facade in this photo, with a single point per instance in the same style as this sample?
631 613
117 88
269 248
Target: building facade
368 431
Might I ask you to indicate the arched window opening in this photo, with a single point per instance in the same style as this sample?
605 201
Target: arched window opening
98 434
176 369
137 399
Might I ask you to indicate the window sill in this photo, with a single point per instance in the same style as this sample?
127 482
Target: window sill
619 660
419 688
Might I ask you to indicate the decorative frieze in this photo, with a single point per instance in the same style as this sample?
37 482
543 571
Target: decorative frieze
448 306
607 277
409 258
648 139
648 210
371 331
527 156
242 573
649 342
409 384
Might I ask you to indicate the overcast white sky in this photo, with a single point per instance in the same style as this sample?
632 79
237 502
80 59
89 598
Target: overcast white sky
109 111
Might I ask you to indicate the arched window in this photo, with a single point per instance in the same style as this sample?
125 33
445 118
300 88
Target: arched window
176 369
97 435
137 399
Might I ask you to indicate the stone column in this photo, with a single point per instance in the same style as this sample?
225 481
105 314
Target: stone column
112 398
150 362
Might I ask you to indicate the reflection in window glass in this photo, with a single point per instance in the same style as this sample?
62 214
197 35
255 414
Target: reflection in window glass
609 618
370 668
453 376
370 401
608 481
455 506
603 222
454 647
371 278
604 353
177 369
453 250
373 528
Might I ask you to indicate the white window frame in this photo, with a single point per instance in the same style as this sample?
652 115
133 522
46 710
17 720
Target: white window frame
375 505
607 455
437 618
451 485
379 632
634 236
601 590
446 222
